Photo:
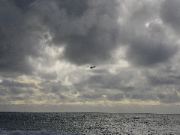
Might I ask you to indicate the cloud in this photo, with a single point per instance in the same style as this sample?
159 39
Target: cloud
13 83
169 97
108 81
146 36
88 29
170 13
116 97
14 87
150 51
23 5
47 47
164 80
16 38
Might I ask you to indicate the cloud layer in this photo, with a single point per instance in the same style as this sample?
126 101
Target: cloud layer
46 48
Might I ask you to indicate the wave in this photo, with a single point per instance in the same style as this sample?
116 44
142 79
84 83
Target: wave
22 132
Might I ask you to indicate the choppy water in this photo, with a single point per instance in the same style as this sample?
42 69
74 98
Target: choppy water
88 124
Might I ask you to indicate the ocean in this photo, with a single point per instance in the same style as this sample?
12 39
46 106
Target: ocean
88 124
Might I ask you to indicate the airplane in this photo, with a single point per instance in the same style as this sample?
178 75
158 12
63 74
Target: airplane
92 67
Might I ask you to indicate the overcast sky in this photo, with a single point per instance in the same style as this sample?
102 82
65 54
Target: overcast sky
48 46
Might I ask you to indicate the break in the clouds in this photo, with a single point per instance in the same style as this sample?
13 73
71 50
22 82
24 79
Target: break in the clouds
48 46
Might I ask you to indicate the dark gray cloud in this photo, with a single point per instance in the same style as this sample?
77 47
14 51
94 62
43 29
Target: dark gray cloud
24 5
149 51
148 40
164 80
116 97
17 41
172 97
91 96
73 8
142 96
88 29
170 13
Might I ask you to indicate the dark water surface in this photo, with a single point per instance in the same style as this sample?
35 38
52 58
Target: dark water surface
88 124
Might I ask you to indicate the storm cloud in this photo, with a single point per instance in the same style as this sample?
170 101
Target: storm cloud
48 46
87 29
150 51
17 39
170 13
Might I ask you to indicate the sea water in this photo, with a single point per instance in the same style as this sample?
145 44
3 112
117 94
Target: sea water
88 124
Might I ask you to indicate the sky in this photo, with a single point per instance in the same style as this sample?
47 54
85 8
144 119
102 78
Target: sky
48 46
